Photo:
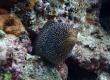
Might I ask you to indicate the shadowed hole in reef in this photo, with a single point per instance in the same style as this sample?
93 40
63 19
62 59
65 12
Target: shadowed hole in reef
104 16
75 72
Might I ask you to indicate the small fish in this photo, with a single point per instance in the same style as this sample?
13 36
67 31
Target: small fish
55 42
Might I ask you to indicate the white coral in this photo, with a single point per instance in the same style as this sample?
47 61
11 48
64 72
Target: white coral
3 50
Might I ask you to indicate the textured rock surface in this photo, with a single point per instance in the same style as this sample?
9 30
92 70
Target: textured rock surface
16 63
91 48
90 57
104 76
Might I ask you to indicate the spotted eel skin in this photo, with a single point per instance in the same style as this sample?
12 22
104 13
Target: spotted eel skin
55 41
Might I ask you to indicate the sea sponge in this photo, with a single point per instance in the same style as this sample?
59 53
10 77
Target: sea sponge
10 24
13 25
3 16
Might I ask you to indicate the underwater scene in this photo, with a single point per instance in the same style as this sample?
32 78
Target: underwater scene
54 39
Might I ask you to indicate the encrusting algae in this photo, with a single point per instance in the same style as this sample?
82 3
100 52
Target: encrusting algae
55 42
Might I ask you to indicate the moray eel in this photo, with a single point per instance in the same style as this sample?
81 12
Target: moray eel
55 42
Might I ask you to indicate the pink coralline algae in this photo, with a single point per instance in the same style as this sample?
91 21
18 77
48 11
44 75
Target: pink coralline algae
63 70
18 62
21 21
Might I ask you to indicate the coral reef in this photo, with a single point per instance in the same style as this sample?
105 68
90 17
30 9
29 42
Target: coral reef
16 63
25 20
91 48
104 76
34 14
24 10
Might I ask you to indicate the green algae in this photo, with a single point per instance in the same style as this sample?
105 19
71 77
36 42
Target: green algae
7 75
2 34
